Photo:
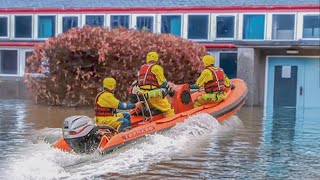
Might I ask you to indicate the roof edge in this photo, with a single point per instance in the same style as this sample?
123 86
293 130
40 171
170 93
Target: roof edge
32 44
281 8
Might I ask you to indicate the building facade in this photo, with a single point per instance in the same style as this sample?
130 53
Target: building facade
273 45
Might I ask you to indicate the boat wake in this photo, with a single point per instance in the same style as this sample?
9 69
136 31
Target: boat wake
40 161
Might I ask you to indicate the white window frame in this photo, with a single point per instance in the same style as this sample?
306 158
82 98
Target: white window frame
270 22
8 27
21 60
60 21
13 25
159 19
134 20
214 25
108 20
18 63
216 56
240 27
300 23
186 19
36 25
84 16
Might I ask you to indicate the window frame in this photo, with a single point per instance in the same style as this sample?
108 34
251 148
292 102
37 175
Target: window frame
18 63
159 21
60 21
134 21
108 20
240 27
186 26
36 25
214 23
270 21
13 26
84 18
300 23
8 26
22 60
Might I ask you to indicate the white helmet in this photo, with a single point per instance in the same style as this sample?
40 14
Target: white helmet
77 126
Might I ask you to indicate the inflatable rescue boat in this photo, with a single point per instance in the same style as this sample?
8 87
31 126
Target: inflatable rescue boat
80 135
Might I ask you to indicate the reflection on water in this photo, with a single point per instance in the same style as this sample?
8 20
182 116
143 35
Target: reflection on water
278 144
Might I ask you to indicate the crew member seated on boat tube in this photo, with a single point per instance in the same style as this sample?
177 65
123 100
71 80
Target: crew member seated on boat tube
151 78
106 104
215 83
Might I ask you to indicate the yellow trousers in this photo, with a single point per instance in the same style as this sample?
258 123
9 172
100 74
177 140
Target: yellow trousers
162 104
209 98
119 121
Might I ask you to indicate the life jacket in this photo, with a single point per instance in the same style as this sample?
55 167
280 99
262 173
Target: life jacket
102 111
146 77
217 84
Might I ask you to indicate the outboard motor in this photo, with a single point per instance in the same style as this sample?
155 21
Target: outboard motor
79 133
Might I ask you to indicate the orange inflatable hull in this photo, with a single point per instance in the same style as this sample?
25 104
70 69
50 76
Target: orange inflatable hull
221 111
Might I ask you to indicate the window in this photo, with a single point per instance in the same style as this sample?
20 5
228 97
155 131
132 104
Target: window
92 20
198 26
228 62
69 22
311 26
23 26
117 21
253 26
283 26
225 26
8 62
171 24
145 23
3 26
46 26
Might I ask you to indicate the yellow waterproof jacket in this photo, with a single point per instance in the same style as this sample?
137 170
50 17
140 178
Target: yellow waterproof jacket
108 100
207 75
209 98
157 70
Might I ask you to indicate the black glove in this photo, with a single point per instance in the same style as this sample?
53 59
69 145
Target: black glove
232 86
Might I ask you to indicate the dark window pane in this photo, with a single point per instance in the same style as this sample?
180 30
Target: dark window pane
253 27
46 26
171 24
198 26
94 20
8 62
228 62
23 27
69 22
145 23
225 26
3 26
283 26
311 27
117 21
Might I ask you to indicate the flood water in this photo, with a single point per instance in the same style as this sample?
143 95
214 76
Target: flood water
254 144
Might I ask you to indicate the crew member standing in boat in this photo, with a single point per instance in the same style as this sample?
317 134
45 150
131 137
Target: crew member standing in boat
215 83
151 77
106 104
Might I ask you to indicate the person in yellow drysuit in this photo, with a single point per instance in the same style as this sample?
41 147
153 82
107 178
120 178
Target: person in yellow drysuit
106 104
214 81
151 77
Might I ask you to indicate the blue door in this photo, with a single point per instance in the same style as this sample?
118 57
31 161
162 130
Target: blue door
293 82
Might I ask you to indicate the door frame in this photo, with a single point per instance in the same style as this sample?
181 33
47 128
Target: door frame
267 73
